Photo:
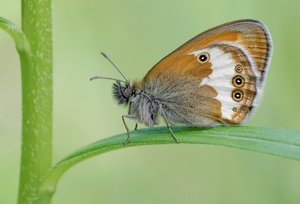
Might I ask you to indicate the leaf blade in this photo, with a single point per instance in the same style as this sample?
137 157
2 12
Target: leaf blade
17 34
275 141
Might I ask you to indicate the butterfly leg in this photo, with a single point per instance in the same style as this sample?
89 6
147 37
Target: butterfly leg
136 125
126 127
167 123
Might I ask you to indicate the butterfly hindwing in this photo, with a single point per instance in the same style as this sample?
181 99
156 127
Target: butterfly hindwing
216 77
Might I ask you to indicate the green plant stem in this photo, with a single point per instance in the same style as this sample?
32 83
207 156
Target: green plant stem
36 70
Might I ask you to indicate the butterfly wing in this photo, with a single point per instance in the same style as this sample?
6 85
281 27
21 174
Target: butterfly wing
216 77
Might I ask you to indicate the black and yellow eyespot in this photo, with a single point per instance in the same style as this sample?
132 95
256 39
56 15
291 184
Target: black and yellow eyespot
203 57
238 68
238 81
237 95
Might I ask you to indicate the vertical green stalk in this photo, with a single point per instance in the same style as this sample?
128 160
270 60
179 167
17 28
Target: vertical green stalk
36 68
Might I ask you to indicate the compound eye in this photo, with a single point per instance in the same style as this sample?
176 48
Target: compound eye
127 92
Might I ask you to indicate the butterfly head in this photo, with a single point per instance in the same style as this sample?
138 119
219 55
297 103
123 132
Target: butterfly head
122 91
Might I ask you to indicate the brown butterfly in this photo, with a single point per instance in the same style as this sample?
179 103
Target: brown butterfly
215 78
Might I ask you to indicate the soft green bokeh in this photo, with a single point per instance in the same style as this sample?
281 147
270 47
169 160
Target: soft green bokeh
136 34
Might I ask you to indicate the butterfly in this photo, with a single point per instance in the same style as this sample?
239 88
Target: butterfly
215 78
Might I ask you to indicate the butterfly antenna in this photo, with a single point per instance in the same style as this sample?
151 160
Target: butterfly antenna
104 55
100 77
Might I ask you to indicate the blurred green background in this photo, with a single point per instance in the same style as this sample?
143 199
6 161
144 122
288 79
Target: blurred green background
137 34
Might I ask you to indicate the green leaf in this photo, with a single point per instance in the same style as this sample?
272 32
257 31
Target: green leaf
280 142
17 34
